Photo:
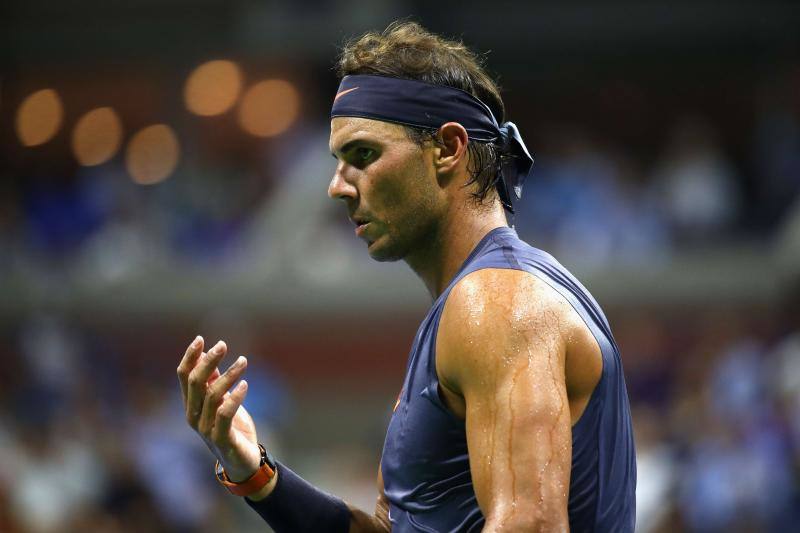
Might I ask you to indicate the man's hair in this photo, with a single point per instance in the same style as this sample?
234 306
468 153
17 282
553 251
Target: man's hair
407 50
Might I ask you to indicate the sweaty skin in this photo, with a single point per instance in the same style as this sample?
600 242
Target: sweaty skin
519 364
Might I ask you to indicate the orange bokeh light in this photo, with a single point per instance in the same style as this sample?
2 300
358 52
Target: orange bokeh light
213 87
97 136
39 117
269 108
152 154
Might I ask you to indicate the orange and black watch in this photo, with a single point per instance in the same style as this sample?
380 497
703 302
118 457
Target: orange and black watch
253 484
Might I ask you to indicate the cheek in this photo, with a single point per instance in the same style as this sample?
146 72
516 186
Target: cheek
403 194
410 187
390 193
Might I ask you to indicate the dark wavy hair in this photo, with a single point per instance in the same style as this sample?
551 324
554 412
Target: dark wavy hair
407 50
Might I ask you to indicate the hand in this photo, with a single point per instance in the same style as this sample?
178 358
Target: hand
215 412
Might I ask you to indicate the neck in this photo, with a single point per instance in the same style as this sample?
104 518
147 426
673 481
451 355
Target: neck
437 262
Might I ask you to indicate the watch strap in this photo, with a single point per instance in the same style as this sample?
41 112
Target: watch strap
253 484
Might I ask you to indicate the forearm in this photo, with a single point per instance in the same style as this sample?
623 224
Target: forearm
293 505
306 508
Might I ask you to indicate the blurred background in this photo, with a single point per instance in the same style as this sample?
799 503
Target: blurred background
163 173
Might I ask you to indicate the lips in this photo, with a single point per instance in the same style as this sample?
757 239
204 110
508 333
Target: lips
361 228
361 224
359 220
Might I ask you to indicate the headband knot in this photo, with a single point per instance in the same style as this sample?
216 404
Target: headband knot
426 105
521 160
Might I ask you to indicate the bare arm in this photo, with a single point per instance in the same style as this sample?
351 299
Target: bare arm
372 523
501 349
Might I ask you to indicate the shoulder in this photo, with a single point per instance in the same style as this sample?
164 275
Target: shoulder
510 299
498 313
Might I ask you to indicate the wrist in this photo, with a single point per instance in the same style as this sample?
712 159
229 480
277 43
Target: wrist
240 475
266 491
242 465
258 484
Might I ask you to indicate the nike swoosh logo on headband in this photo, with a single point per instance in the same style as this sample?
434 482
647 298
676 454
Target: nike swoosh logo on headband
342 93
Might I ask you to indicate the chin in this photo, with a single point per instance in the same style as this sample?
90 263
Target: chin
384 252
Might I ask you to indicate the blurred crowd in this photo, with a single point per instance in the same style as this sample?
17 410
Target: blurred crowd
93 434
103 445
716 406
586 201
597 205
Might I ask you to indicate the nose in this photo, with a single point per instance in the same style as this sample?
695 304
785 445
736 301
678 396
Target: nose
340 188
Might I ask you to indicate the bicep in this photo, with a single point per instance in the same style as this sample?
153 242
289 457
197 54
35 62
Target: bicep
519 439
503 351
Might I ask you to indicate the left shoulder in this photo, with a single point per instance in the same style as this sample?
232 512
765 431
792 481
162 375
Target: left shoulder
497 312
509 299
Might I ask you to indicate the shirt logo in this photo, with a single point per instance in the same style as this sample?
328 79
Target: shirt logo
398 401
342 93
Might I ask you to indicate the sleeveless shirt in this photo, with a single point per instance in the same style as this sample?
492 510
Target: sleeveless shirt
425 462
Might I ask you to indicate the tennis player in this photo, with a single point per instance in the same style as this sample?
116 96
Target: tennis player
513 415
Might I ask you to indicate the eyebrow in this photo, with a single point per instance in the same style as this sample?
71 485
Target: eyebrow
347 146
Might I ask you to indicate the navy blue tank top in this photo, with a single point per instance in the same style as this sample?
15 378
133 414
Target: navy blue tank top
425 461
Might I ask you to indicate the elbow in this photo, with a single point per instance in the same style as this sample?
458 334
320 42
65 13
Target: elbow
527 520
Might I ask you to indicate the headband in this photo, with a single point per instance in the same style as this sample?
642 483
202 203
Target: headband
426 105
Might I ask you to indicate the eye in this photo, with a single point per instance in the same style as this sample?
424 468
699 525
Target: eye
364 154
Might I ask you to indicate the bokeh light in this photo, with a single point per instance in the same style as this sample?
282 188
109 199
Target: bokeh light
152 154
39 117
213 87
97 136
269 108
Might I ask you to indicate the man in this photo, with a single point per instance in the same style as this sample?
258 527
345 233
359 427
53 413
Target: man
513 415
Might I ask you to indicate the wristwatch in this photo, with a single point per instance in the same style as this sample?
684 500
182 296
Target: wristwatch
256 482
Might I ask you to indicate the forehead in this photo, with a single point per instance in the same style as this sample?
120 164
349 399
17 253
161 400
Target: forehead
346 129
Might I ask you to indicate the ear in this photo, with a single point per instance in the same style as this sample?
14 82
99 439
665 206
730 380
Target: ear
452 150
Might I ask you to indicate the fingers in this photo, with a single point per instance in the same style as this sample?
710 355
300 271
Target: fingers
197 383
226 412
213 377
187 363
215 393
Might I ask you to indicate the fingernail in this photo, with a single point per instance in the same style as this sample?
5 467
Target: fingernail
197 341
239 362
217 348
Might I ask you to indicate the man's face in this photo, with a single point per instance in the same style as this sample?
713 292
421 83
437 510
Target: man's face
388 183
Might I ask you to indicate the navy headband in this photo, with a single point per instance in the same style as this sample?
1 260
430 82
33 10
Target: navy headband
425 105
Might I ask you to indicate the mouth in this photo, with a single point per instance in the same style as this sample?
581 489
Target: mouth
361 227
361 224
